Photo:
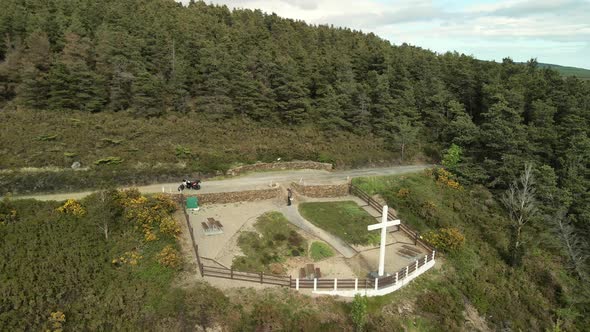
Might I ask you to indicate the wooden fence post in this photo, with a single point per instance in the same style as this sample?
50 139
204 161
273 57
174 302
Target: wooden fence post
416 265
356 284
335 283
315 284
433 252
396 277
376 283
297 283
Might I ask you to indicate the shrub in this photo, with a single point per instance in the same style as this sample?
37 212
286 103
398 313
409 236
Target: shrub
169 226
403 193
169 257
56 321
72 207
358 312
446 178
446 239
129 257
320 250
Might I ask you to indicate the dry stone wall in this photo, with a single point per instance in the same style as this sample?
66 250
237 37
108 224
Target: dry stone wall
238 196
332 190
279 166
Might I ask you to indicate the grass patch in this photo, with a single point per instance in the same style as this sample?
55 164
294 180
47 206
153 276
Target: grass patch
47 137
109 161
267 249
319 251
345 219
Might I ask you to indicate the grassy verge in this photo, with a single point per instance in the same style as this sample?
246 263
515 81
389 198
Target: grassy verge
346 220
267 249
320 250
109 144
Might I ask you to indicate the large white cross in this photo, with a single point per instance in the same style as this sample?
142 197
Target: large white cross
383 225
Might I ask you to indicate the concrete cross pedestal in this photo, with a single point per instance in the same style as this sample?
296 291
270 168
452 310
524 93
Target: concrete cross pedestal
383 225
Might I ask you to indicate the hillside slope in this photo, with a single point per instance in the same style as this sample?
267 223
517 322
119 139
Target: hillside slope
581 73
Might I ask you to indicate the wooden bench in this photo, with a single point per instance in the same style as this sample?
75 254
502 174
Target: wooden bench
302 274
218 224
205 227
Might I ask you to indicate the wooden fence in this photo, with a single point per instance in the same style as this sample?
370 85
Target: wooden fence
191 232
221 271
354 190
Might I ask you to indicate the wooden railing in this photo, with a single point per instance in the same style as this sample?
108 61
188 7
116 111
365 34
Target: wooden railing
221 271
191 232
259 277
354 190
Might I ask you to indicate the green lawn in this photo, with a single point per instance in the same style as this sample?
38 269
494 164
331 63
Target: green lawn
345 219
267 249
319 251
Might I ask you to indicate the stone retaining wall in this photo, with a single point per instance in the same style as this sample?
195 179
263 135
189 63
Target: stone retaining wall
332 190
238 196
279 166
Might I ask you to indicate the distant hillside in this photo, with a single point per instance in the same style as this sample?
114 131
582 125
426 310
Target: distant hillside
568 71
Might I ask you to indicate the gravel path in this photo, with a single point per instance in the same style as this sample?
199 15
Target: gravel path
256 181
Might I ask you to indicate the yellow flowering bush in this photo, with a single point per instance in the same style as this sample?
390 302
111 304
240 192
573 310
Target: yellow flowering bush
165 203
445 178
56 320
403 193
129 257
169 226
445 239
72 207
169 257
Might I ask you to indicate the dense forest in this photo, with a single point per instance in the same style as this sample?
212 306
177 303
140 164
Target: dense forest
150 58
98 66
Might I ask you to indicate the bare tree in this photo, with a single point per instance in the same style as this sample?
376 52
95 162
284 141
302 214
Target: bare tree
521 204
572 245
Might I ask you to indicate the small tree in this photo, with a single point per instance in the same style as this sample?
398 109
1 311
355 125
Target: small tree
572 245
521 204
405 134
359 312
452 157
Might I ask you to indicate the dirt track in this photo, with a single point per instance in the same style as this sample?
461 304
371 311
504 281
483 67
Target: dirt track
256 181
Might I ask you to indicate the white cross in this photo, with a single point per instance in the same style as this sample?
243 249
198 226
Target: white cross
383 225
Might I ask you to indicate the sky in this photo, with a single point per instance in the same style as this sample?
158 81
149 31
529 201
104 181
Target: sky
553 31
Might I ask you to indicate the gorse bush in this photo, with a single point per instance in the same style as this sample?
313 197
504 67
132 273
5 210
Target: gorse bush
445 239
169 257
72 207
